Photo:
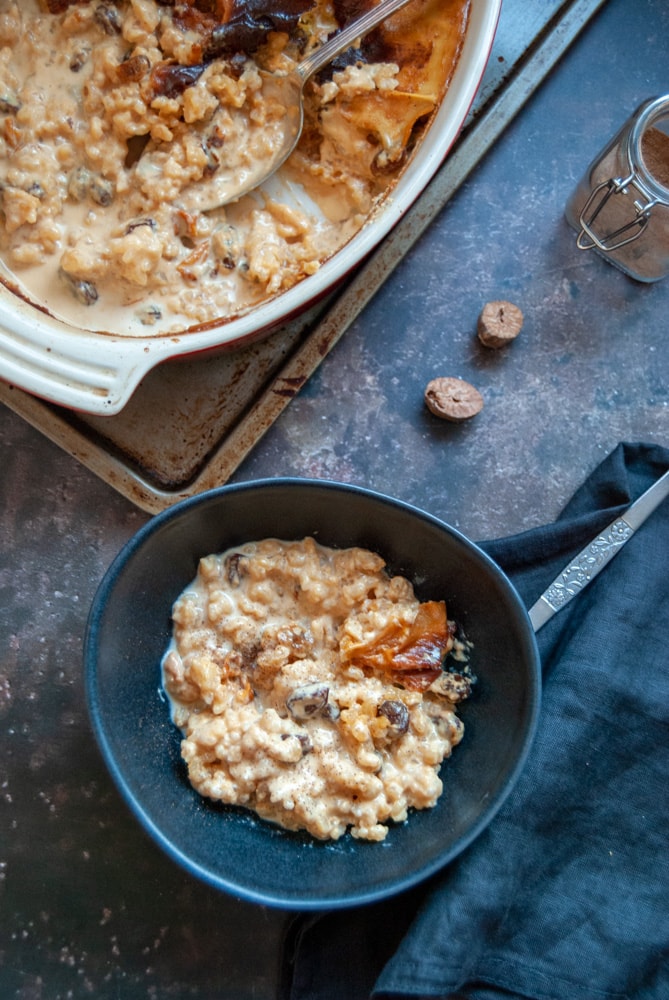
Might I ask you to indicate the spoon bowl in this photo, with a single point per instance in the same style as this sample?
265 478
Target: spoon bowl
260 152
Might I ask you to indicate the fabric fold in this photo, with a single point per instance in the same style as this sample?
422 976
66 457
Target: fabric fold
564 895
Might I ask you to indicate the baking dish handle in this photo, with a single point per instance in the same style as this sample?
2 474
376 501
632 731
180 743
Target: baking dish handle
91 372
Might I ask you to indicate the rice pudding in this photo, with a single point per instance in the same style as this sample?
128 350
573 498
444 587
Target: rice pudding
113 114
314 688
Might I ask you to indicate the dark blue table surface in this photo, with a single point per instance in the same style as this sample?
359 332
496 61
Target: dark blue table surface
89 907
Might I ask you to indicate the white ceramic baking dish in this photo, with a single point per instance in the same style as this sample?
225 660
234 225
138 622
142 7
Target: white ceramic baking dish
97 372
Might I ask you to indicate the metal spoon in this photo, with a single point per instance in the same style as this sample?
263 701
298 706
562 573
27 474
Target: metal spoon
224 185
593 558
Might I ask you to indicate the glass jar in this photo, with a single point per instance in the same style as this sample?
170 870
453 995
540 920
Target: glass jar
620 208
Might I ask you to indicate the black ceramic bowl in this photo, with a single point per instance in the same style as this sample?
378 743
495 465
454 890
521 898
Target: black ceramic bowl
129 628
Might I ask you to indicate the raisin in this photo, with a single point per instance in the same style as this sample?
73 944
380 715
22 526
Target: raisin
308 700
397 715
109 19
84 291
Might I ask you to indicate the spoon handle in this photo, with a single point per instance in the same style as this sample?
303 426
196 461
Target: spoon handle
595 556
345 38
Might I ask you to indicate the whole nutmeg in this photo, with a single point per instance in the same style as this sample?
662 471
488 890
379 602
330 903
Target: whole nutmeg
453 399
499 324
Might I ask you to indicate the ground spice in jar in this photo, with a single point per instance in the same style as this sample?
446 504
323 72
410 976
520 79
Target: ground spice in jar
620 207
655 154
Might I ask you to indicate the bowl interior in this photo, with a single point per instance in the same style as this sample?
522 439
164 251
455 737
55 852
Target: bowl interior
129 629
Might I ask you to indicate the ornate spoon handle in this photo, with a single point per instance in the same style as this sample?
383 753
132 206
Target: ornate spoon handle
595 556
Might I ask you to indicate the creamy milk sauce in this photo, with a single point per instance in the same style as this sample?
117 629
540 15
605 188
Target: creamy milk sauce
102 217
308 685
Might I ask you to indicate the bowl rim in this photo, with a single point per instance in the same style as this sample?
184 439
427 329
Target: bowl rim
236 886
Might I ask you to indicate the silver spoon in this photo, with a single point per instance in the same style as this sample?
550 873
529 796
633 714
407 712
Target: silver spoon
593 558
228 184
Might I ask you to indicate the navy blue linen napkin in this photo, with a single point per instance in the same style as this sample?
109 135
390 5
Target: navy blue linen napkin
565 896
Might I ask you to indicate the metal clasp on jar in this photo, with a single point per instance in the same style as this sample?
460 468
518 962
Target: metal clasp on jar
614 187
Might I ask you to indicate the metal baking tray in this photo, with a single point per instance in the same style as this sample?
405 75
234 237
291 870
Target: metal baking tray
191 423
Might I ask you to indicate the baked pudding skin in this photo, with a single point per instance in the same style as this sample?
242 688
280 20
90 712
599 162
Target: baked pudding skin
114 115
313 688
